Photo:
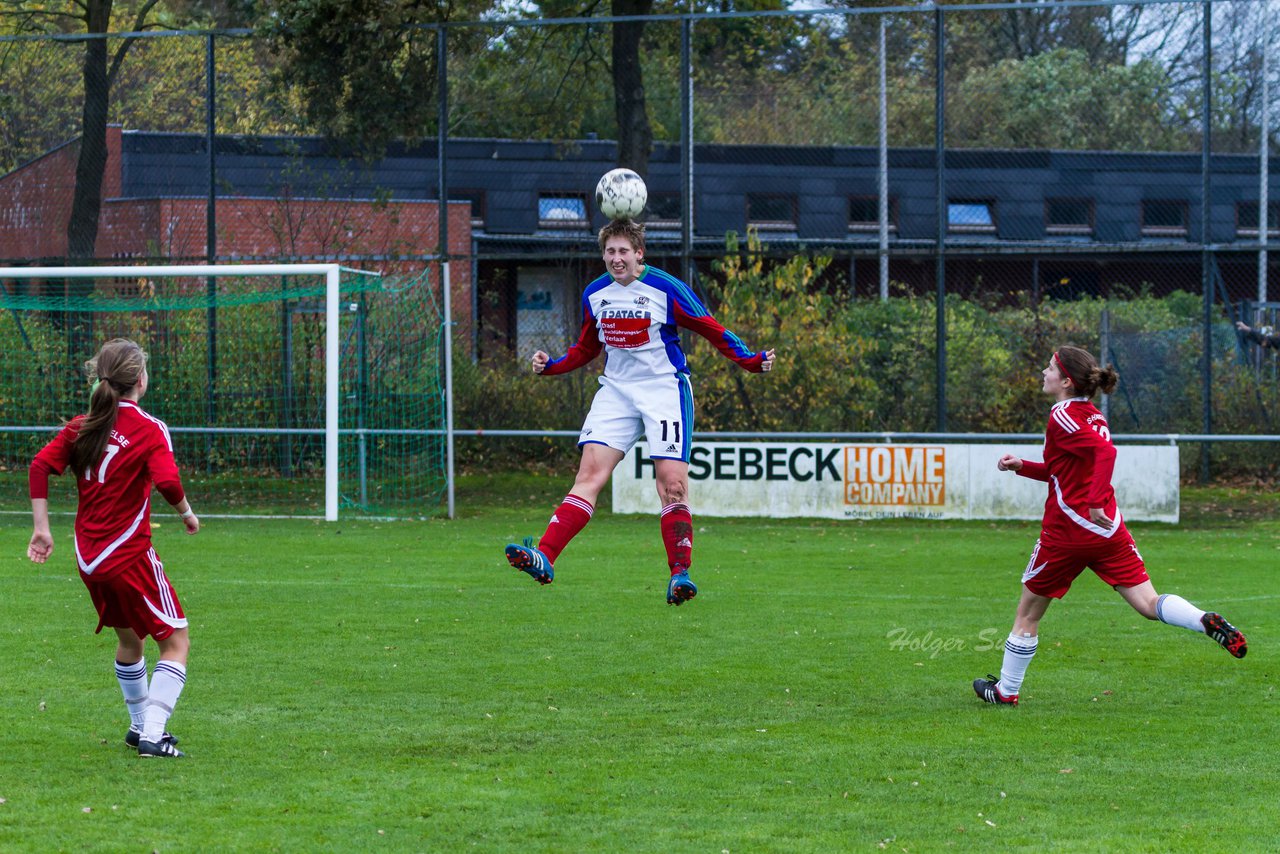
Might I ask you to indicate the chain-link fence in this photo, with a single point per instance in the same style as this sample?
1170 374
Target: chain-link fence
914 235
247 408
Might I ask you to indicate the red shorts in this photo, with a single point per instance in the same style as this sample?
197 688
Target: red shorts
1116 561
136 595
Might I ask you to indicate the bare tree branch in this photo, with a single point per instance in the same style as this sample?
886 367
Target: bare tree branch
139 23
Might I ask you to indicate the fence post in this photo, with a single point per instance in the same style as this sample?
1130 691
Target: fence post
1264 150
686 147
446 284
1206 257
211 242
882 172
940 266
1104 351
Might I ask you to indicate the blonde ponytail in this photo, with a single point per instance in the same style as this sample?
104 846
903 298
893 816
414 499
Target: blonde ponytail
115 370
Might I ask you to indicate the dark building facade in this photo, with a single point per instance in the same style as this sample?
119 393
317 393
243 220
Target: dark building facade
1060 223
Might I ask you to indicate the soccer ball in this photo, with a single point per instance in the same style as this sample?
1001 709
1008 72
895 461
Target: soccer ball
621 194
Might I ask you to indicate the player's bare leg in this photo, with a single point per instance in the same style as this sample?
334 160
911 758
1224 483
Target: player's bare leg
597 464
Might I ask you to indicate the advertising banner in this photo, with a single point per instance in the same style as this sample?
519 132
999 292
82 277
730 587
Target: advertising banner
876 481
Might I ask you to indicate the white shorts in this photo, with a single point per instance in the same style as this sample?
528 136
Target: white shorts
658 408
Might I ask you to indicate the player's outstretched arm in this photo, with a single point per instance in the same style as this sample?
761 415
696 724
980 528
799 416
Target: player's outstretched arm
1009 463
41 545
587 348
729 344
1023 468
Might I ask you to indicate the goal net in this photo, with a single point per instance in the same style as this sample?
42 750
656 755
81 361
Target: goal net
295 390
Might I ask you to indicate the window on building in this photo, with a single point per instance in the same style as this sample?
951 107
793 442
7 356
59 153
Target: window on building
1164 218
864 213
476 198
663 211
771 212
968 216
562 210
1247 219
1068 216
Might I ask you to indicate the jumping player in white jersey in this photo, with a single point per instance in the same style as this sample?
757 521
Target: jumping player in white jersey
116 452
1082 526
633 312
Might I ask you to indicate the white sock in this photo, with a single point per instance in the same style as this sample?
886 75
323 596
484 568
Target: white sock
1176 611
166 687
133 683
1018 652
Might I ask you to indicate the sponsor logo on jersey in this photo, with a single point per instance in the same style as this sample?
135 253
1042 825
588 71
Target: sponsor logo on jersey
603 303
624 328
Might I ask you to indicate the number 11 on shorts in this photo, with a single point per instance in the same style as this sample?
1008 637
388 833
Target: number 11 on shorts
674 426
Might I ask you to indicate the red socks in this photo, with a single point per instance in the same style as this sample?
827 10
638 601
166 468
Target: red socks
570 517
677 535
574 513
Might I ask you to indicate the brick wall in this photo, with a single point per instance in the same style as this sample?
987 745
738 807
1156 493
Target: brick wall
35 202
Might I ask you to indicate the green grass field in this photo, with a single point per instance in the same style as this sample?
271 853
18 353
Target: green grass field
367 686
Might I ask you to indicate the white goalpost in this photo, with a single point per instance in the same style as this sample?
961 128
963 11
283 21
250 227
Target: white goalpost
332 278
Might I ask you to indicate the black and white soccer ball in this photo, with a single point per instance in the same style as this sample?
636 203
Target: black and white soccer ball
621 194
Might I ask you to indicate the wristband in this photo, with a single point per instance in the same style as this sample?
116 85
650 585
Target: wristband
188 514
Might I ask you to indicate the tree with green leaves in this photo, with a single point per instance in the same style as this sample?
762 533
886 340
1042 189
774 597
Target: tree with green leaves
368 69
1062 99
365 70
99 70
635 133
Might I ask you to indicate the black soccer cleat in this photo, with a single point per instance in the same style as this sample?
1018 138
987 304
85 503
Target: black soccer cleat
134 735
1227 636
163 747
988 692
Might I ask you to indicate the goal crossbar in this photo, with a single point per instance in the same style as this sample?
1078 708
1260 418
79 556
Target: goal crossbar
332 274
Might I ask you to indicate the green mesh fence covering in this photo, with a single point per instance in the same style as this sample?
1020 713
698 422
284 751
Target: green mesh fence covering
237 366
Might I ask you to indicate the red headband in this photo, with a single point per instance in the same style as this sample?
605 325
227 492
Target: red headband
1064 370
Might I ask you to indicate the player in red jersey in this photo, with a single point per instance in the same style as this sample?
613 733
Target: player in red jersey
634 313
117 451
1082 526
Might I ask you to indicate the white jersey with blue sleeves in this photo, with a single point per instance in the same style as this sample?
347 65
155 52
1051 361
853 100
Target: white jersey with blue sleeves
637 326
